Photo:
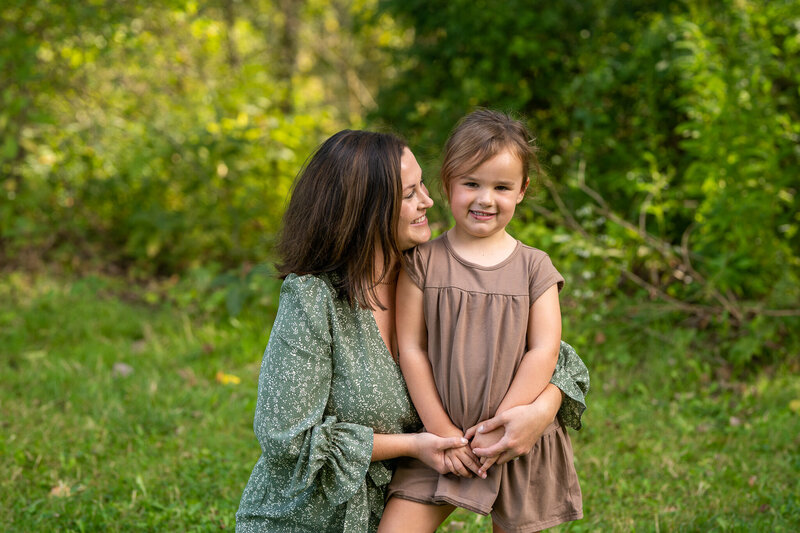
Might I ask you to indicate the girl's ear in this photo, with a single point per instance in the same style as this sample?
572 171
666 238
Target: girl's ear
523 189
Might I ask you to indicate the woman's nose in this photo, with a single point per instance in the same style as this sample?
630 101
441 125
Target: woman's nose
426 201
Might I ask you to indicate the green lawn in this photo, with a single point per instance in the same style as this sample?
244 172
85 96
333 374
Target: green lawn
114 417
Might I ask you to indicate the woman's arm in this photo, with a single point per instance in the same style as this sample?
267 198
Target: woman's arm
427 447
295 434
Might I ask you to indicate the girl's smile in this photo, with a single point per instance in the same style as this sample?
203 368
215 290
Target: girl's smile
481 215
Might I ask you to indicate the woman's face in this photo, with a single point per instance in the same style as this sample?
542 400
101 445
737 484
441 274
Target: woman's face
413 226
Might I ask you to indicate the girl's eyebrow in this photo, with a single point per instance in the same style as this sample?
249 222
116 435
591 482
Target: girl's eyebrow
505 183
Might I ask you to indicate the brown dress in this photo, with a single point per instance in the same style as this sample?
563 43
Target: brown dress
477 319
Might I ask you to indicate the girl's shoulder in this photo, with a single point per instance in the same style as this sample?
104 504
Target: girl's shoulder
534 257
530 251
427 249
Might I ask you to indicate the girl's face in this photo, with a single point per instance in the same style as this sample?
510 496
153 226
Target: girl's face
484 200
413 226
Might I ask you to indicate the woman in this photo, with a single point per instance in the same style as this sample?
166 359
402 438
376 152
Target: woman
332 406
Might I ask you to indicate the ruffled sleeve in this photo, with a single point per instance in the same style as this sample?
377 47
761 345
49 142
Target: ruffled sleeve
294 386
572 377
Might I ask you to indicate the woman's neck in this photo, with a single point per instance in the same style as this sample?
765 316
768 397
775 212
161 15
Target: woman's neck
388 277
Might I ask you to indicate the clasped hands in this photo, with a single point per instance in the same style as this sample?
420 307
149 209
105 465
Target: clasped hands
498 440
465 462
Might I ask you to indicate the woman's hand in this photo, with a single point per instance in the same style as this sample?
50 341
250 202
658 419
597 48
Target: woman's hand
432 449
522 426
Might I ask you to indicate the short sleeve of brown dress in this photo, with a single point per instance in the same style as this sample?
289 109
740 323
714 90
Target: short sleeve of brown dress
476 319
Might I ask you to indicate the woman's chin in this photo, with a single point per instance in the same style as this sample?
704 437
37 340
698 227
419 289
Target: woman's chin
416 235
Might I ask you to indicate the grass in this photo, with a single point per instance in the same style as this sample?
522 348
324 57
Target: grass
670 442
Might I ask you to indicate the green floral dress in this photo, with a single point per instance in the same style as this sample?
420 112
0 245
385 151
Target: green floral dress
327 384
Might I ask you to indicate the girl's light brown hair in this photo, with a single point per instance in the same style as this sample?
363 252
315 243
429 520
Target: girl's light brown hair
344 207
482 135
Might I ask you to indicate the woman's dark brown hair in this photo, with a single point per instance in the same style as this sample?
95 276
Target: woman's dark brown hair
344 207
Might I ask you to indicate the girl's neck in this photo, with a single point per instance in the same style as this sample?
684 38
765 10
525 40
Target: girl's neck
483 251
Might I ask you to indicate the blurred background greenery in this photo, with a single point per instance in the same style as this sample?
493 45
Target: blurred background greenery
155 143
156 139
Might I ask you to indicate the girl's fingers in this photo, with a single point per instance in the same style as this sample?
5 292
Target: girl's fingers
471 432
485 467
470 463
495 449
450 466
459 467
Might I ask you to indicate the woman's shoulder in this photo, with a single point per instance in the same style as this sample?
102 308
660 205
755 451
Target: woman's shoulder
314 287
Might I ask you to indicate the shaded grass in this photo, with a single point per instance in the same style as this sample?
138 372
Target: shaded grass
668 444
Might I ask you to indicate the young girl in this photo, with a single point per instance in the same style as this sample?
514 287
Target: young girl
479 329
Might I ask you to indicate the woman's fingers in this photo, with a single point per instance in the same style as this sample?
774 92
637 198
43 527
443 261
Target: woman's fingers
452 442
506 457
490 425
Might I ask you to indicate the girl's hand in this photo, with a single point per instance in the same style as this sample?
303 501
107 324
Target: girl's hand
431 449
462 462
485 440
522 426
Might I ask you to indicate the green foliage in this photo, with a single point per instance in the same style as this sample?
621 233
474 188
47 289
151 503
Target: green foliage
163 136
162 139
670 136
